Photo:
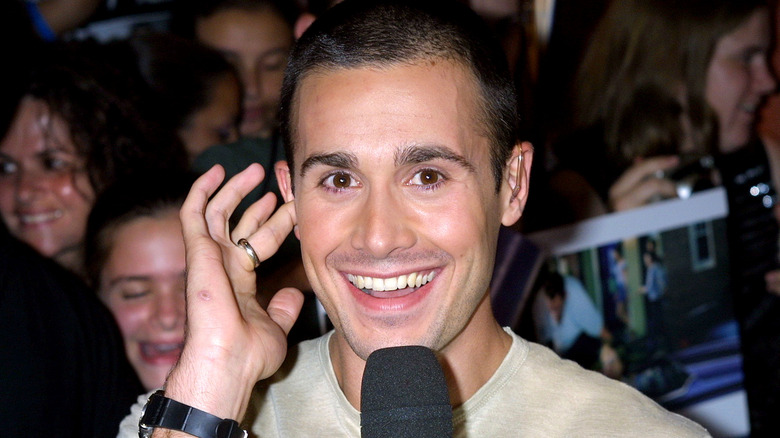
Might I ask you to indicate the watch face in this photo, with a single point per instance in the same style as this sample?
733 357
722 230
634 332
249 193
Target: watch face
145 431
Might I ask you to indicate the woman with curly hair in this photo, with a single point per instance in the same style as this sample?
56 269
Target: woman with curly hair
81 122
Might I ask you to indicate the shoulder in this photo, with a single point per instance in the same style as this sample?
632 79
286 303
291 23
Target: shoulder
574 286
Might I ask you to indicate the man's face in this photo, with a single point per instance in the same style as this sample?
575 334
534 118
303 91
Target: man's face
395 201
256 43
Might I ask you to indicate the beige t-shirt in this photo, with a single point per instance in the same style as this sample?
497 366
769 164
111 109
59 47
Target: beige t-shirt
533 393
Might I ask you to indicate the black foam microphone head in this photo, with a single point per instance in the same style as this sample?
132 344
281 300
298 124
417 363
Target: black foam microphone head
404 394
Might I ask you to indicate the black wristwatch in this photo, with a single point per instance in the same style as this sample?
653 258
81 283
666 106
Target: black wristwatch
160 411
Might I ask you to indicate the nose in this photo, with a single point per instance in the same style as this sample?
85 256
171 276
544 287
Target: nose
384 224
251 81
28 184
764 79
169 309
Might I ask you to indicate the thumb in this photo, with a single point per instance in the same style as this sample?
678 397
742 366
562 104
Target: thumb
285 306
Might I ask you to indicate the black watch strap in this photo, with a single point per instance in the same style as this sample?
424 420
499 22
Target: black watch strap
161 411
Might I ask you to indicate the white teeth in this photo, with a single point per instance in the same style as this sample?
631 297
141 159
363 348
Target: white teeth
167 347
410 282
415 279
40 218
152 349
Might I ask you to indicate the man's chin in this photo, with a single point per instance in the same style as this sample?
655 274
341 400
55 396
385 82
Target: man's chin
364 345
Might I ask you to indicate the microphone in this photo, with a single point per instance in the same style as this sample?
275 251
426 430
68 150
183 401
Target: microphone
404 395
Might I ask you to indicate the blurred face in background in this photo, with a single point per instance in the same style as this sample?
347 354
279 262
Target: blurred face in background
256 42
217 121
738 79
142 283
45 193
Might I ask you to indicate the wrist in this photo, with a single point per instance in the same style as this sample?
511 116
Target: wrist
168 416
209 386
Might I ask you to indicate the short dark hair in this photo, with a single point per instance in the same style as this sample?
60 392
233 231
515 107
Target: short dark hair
359 33
553 285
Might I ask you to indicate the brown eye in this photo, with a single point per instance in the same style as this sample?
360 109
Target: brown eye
429 177
341 180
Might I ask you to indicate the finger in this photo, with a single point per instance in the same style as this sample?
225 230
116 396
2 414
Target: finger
197 239
267 235
270 236
285 307
224 203
250 222
254 216
192 210
643 193
205 272
640 171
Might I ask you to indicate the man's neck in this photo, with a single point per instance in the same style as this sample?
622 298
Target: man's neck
482 338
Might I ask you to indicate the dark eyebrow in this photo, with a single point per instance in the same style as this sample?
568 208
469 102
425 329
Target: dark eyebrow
341 160
416 154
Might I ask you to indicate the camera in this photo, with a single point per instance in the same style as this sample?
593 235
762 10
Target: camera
696 172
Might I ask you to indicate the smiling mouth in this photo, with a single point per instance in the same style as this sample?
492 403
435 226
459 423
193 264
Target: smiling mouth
405 284
157 351
33 219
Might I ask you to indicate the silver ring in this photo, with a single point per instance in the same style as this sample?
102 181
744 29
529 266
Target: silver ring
249 251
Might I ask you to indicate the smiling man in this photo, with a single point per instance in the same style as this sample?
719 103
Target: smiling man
404 161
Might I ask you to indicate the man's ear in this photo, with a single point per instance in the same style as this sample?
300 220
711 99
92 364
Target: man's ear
283 176
514 189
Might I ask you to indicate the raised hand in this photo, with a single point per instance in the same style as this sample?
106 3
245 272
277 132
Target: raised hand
231 341
639 184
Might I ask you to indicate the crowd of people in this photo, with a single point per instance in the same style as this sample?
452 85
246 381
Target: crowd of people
392 148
